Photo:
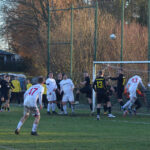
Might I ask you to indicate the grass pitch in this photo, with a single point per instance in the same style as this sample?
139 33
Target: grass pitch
79 132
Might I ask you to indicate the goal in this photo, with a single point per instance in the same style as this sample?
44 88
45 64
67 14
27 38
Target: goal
130 68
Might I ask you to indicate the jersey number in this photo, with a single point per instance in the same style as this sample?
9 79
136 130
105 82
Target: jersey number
134 80
32 91
100 84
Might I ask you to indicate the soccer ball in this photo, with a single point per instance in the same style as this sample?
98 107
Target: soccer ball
112 36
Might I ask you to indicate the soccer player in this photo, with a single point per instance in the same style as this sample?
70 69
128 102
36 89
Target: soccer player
67 87
58 93
131 88
51 95
15 94
45 96
28 84
120 86
99 87
31 96
87 89
6 87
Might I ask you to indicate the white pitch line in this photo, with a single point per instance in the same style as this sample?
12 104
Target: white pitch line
7 148
132 122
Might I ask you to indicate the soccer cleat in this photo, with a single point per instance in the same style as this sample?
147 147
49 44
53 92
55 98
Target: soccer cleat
76 102
48 113
111 116
54 113
98 117
134 111
125 113
34 133
17 132
61 113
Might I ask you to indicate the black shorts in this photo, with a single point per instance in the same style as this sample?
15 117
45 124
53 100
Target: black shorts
59 96
119 94
101 98
87 90
6 95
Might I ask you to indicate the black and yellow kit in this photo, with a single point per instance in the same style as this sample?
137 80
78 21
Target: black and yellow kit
99 86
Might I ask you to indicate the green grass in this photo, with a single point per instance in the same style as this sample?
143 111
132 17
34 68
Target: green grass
80 132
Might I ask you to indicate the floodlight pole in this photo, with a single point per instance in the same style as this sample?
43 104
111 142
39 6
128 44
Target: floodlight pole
122 29
48 41
148 39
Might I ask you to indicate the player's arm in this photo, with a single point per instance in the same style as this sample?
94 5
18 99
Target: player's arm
72 85
40 98
94 86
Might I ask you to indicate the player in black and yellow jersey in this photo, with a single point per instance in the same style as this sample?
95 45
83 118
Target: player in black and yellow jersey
120 86
99 87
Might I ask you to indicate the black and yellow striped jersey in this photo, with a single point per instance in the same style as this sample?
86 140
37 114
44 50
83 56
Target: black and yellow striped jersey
99 84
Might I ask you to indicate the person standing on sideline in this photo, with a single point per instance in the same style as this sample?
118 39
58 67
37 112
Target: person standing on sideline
31 96
15 94
28 84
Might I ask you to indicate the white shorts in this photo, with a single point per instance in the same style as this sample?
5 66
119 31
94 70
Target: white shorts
132 95
68 97
51 96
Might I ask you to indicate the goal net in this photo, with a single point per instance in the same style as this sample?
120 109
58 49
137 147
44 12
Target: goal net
130 68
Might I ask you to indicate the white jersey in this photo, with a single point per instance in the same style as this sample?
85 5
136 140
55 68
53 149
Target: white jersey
66 86
51 85
133 83
31 96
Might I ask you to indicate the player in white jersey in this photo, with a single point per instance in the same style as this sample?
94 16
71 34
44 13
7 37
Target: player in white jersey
31 96
131 88
51 95
67 87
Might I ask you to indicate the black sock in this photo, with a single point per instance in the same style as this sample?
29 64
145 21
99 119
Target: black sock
77 96
105 108
58 105
98 111
91 106
121 103
109 110
7 108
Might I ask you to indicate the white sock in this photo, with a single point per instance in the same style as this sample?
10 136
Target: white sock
126 104
34 128
19 125
49 106
72 108
53 106
65 109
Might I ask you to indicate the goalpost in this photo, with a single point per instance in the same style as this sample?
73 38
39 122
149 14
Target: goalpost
117 63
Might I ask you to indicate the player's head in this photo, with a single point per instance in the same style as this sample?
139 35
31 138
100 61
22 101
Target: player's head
50 74
120 71
41 80
7 77
28 81
59 76
101 73
85 74
65 76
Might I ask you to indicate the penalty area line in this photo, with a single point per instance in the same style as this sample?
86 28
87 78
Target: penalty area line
7 148
130 122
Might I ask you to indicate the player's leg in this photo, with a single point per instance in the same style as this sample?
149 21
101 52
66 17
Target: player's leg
64 103
71 100
54 103
49 105
77 98
23 119
119 95
36 114
105 108
138 105
89 97
109 107
99 101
